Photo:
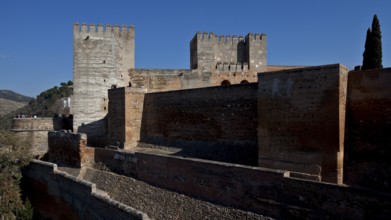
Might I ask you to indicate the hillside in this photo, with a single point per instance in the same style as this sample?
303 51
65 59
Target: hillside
13 96
11 101
47 104
7 106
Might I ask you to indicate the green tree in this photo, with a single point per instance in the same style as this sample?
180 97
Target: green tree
376 44
372 56
366 64
14 154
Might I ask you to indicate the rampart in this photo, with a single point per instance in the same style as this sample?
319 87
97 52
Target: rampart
221 120
102 58
265 191
58 195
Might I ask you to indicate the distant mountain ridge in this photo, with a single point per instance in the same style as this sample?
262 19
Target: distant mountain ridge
13 96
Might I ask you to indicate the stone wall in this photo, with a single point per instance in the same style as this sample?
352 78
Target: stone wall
368 129
69 149
217 123
102 58
301 120
264 191
57 195
35 132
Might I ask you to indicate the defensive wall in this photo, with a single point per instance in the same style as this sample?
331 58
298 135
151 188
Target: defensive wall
294 119
270 192
301 120
55 194
220 120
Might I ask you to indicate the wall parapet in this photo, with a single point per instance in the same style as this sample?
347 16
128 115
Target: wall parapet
270 192
100 28
81 197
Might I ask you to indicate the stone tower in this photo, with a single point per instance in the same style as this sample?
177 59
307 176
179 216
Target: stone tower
102 57
208 51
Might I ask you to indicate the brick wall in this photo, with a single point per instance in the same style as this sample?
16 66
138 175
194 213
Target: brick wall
368 129
301 119
217 123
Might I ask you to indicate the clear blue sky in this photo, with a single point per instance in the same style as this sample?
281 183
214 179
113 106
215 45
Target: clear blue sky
36 35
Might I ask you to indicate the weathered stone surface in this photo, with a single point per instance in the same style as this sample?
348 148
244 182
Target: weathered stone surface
301 120
368 129
102 58
70 149
35 132
233 53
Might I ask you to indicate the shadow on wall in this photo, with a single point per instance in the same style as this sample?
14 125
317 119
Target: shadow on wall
215 123
96 132
63 122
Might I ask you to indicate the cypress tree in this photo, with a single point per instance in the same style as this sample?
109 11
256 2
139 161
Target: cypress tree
376 44
372 56
367 52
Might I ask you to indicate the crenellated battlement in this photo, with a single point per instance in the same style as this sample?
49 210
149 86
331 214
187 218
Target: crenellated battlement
228 39
100 28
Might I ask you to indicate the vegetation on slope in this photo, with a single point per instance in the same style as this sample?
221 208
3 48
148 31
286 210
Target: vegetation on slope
14 154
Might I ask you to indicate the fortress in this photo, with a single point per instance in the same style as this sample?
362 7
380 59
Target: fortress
279 141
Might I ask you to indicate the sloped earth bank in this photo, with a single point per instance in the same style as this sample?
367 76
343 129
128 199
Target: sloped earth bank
156 202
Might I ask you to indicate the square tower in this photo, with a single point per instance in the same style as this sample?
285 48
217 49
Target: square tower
207 51
102 57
